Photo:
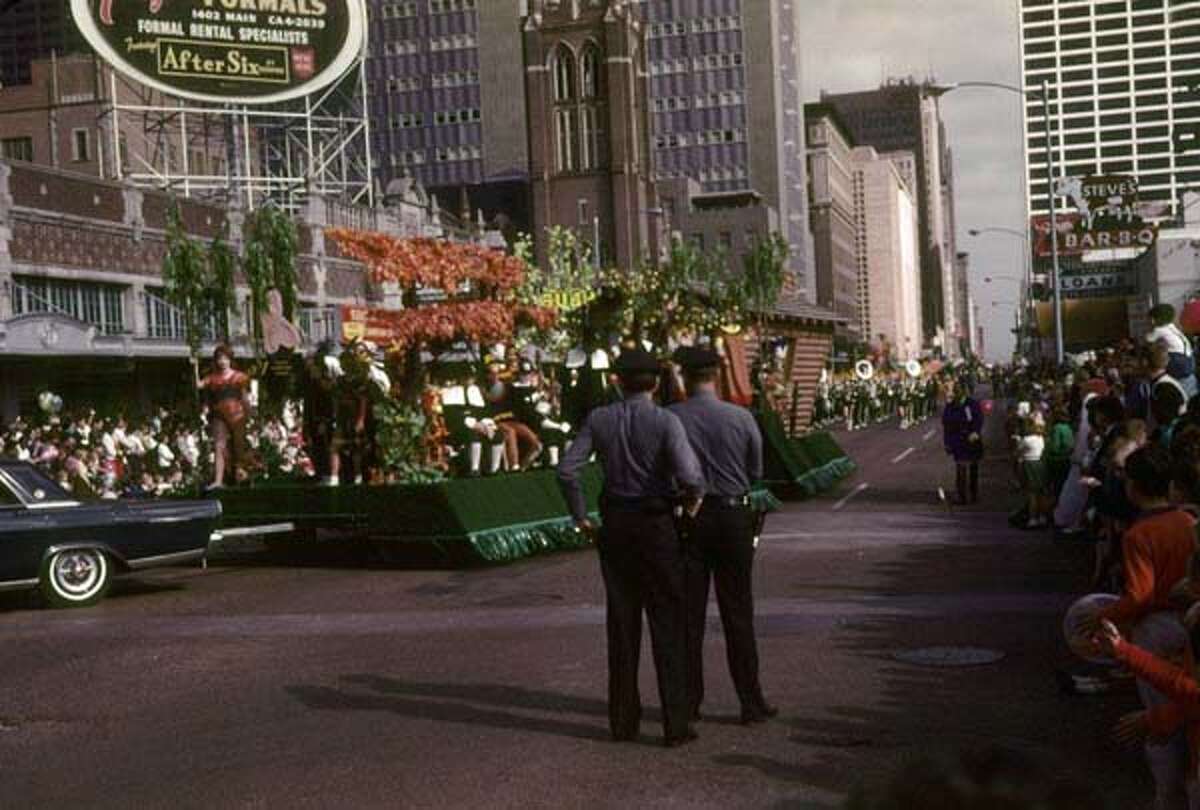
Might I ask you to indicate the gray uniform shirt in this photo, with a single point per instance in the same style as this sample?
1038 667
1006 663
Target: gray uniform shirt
643 451
726 440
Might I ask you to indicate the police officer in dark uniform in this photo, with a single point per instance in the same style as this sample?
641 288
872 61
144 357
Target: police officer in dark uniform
647 460
719 540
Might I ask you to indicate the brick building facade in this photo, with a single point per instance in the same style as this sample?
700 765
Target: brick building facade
82 306
589 150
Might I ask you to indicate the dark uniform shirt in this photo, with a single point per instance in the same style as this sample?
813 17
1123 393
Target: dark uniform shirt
643 450
726 440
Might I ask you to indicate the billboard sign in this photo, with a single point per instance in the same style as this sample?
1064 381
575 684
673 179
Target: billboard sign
1099 280
227 51
1104 202
1064 223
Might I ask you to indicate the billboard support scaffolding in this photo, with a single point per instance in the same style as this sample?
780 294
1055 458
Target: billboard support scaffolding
277 152
276 88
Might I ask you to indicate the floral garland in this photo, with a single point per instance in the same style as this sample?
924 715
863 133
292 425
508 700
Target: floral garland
474 321
492 315
431 263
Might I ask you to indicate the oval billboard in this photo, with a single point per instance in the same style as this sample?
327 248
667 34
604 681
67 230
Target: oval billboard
227 51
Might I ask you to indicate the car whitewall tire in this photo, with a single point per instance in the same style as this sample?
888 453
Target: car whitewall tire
75 577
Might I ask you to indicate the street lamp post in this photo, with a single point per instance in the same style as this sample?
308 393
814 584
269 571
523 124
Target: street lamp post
1026 284
1058 326
941 90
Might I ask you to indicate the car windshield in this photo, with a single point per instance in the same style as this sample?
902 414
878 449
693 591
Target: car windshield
40 488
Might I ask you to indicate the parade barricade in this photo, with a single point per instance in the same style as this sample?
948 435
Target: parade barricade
800 467
462 521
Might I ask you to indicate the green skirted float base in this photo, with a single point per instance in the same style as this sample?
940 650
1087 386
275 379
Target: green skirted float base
466 521
800 467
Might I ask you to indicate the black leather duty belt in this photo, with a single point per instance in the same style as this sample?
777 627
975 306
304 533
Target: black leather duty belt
727 501
649 506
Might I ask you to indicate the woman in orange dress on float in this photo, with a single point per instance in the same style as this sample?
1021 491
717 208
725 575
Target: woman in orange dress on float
226 391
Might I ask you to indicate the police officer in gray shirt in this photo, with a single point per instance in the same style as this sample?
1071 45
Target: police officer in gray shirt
720 539
647 465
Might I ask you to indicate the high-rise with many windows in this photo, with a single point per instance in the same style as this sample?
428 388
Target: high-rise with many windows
34 29
1127 72
904 116
446 82
446 108
726 107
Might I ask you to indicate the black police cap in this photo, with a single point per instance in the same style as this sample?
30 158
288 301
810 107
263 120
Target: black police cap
695 358
636 361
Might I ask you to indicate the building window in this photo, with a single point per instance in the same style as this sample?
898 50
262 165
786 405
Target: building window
565 124
164 321
590 73
101 305
79 146
565 139
590 138
564 75
17 149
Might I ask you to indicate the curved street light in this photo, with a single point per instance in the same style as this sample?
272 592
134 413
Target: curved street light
999 229
1027 254
1044 94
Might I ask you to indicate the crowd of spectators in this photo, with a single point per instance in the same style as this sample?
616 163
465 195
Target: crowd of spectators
1107 453
92 455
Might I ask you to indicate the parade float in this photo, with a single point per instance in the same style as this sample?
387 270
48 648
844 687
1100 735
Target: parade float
434 428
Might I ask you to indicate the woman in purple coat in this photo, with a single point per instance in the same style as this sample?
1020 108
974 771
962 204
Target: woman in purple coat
962 426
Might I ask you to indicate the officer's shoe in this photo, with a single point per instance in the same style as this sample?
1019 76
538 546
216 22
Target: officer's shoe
683 739
758 714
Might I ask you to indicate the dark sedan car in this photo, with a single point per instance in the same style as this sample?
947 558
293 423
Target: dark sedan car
71 549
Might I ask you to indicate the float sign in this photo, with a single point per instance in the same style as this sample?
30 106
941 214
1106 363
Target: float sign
227 51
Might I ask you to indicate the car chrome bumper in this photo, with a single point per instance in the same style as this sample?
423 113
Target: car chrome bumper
250 531
18 585
191 555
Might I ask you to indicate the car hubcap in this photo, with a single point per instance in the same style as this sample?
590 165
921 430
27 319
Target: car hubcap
77 573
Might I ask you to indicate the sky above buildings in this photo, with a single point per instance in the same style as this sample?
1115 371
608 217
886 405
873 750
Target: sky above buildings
854 44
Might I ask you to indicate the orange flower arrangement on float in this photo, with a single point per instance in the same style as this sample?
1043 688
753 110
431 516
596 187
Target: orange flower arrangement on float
446 266
430 263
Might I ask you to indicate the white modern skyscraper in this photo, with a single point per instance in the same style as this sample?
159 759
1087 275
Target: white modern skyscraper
887 250
1125 71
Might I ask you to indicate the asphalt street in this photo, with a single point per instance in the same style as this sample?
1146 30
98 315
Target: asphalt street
323 682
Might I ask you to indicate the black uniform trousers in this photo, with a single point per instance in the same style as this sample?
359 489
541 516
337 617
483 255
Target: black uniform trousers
720 546
642 562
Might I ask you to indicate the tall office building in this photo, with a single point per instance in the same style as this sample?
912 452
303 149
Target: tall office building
447 105
726 105
886 218
34 29
446 109
904 116
831 203
965 302
1126 71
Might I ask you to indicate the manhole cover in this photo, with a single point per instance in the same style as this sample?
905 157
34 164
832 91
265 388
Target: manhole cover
949 656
